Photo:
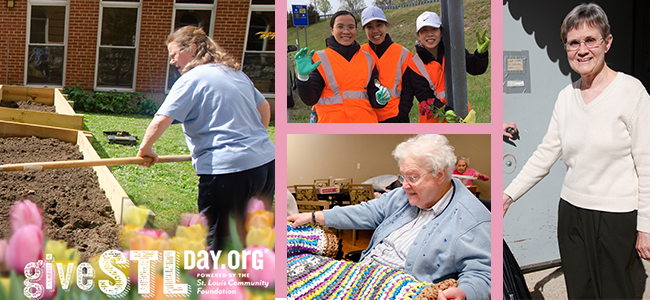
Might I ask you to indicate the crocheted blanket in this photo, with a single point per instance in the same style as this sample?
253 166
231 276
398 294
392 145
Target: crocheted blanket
313 275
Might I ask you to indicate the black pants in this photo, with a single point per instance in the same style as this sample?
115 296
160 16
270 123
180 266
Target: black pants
598 252
225 195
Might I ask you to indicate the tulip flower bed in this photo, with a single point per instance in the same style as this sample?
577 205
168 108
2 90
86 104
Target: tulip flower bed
74 207
153 264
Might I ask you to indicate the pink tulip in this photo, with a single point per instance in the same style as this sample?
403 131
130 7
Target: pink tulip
25 213
189 219
254 205
26 245
154 233
47 293
3 250
266 261
217 286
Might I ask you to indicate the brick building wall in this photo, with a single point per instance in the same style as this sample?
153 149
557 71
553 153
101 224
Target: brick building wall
82 43
230 26
12 42
231 21
152 56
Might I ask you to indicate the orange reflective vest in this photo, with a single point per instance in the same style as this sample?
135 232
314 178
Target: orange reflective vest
391 67
344 98
434 73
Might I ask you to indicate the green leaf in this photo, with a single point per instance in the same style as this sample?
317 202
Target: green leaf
15 287
234 236
3 292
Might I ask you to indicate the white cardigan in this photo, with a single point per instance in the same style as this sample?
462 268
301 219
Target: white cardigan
606 148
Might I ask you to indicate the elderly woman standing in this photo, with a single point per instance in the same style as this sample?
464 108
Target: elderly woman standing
432 227
224 120
600 125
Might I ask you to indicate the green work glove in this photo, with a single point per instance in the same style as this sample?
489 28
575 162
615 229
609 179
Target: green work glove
304 65
451 117
382 94
482 42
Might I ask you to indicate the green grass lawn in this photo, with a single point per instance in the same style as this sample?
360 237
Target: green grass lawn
168 189
402 30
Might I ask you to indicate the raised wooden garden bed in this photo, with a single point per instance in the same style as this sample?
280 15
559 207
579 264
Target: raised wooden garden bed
64 116
114 192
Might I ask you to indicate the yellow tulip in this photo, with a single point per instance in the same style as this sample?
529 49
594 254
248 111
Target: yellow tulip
268 294
145 242
5 283
159 292
64 255
261 236
127 232
196 232
137 216
260 218
100 275
56 248
181 244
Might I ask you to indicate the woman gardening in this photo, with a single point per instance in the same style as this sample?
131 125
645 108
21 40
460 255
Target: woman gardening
224 119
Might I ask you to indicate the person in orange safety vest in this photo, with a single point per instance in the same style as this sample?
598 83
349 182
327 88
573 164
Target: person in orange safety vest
426 69
339 81
392 60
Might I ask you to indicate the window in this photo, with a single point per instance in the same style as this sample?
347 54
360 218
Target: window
117 49
46 45
259 57
198 13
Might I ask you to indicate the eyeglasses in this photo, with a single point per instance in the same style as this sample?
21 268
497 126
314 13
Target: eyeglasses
172 56
409 179
589 42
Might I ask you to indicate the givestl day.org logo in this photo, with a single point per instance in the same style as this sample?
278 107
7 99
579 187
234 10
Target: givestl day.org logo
147 260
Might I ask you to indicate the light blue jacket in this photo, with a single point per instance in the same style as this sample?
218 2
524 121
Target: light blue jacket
456 244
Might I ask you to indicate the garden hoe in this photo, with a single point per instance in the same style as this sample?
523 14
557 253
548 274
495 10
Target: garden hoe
91 163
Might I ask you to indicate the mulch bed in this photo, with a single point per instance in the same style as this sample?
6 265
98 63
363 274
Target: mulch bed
74 207
28 105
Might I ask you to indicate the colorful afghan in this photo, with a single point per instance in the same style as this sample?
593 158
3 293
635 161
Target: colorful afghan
313 276
309 239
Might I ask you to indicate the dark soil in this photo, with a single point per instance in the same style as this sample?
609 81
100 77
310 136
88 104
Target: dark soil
28 105
74 208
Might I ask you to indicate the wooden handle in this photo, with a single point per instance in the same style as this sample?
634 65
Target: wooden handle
91 163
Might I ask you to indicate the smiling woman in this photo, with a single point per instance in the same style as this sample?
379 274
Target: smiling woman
339 82
600 127
392 60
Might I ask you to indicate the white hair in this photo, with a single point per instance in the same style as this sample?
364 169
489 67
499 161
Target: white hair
432 151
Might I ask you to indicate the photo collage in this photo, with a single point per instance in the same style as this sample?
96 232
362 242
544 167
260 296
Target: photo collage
147 150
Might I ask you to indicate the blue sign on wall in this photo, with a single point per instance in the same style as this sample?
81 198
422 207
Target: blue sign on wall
299 13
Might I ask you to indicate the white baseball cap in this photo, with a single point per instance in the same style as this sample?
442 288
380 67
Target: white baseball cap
428 18
370 14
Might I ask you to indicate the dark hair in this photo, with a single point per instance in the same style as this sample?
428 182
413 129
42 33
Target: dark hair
207 51
590 14
342 13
